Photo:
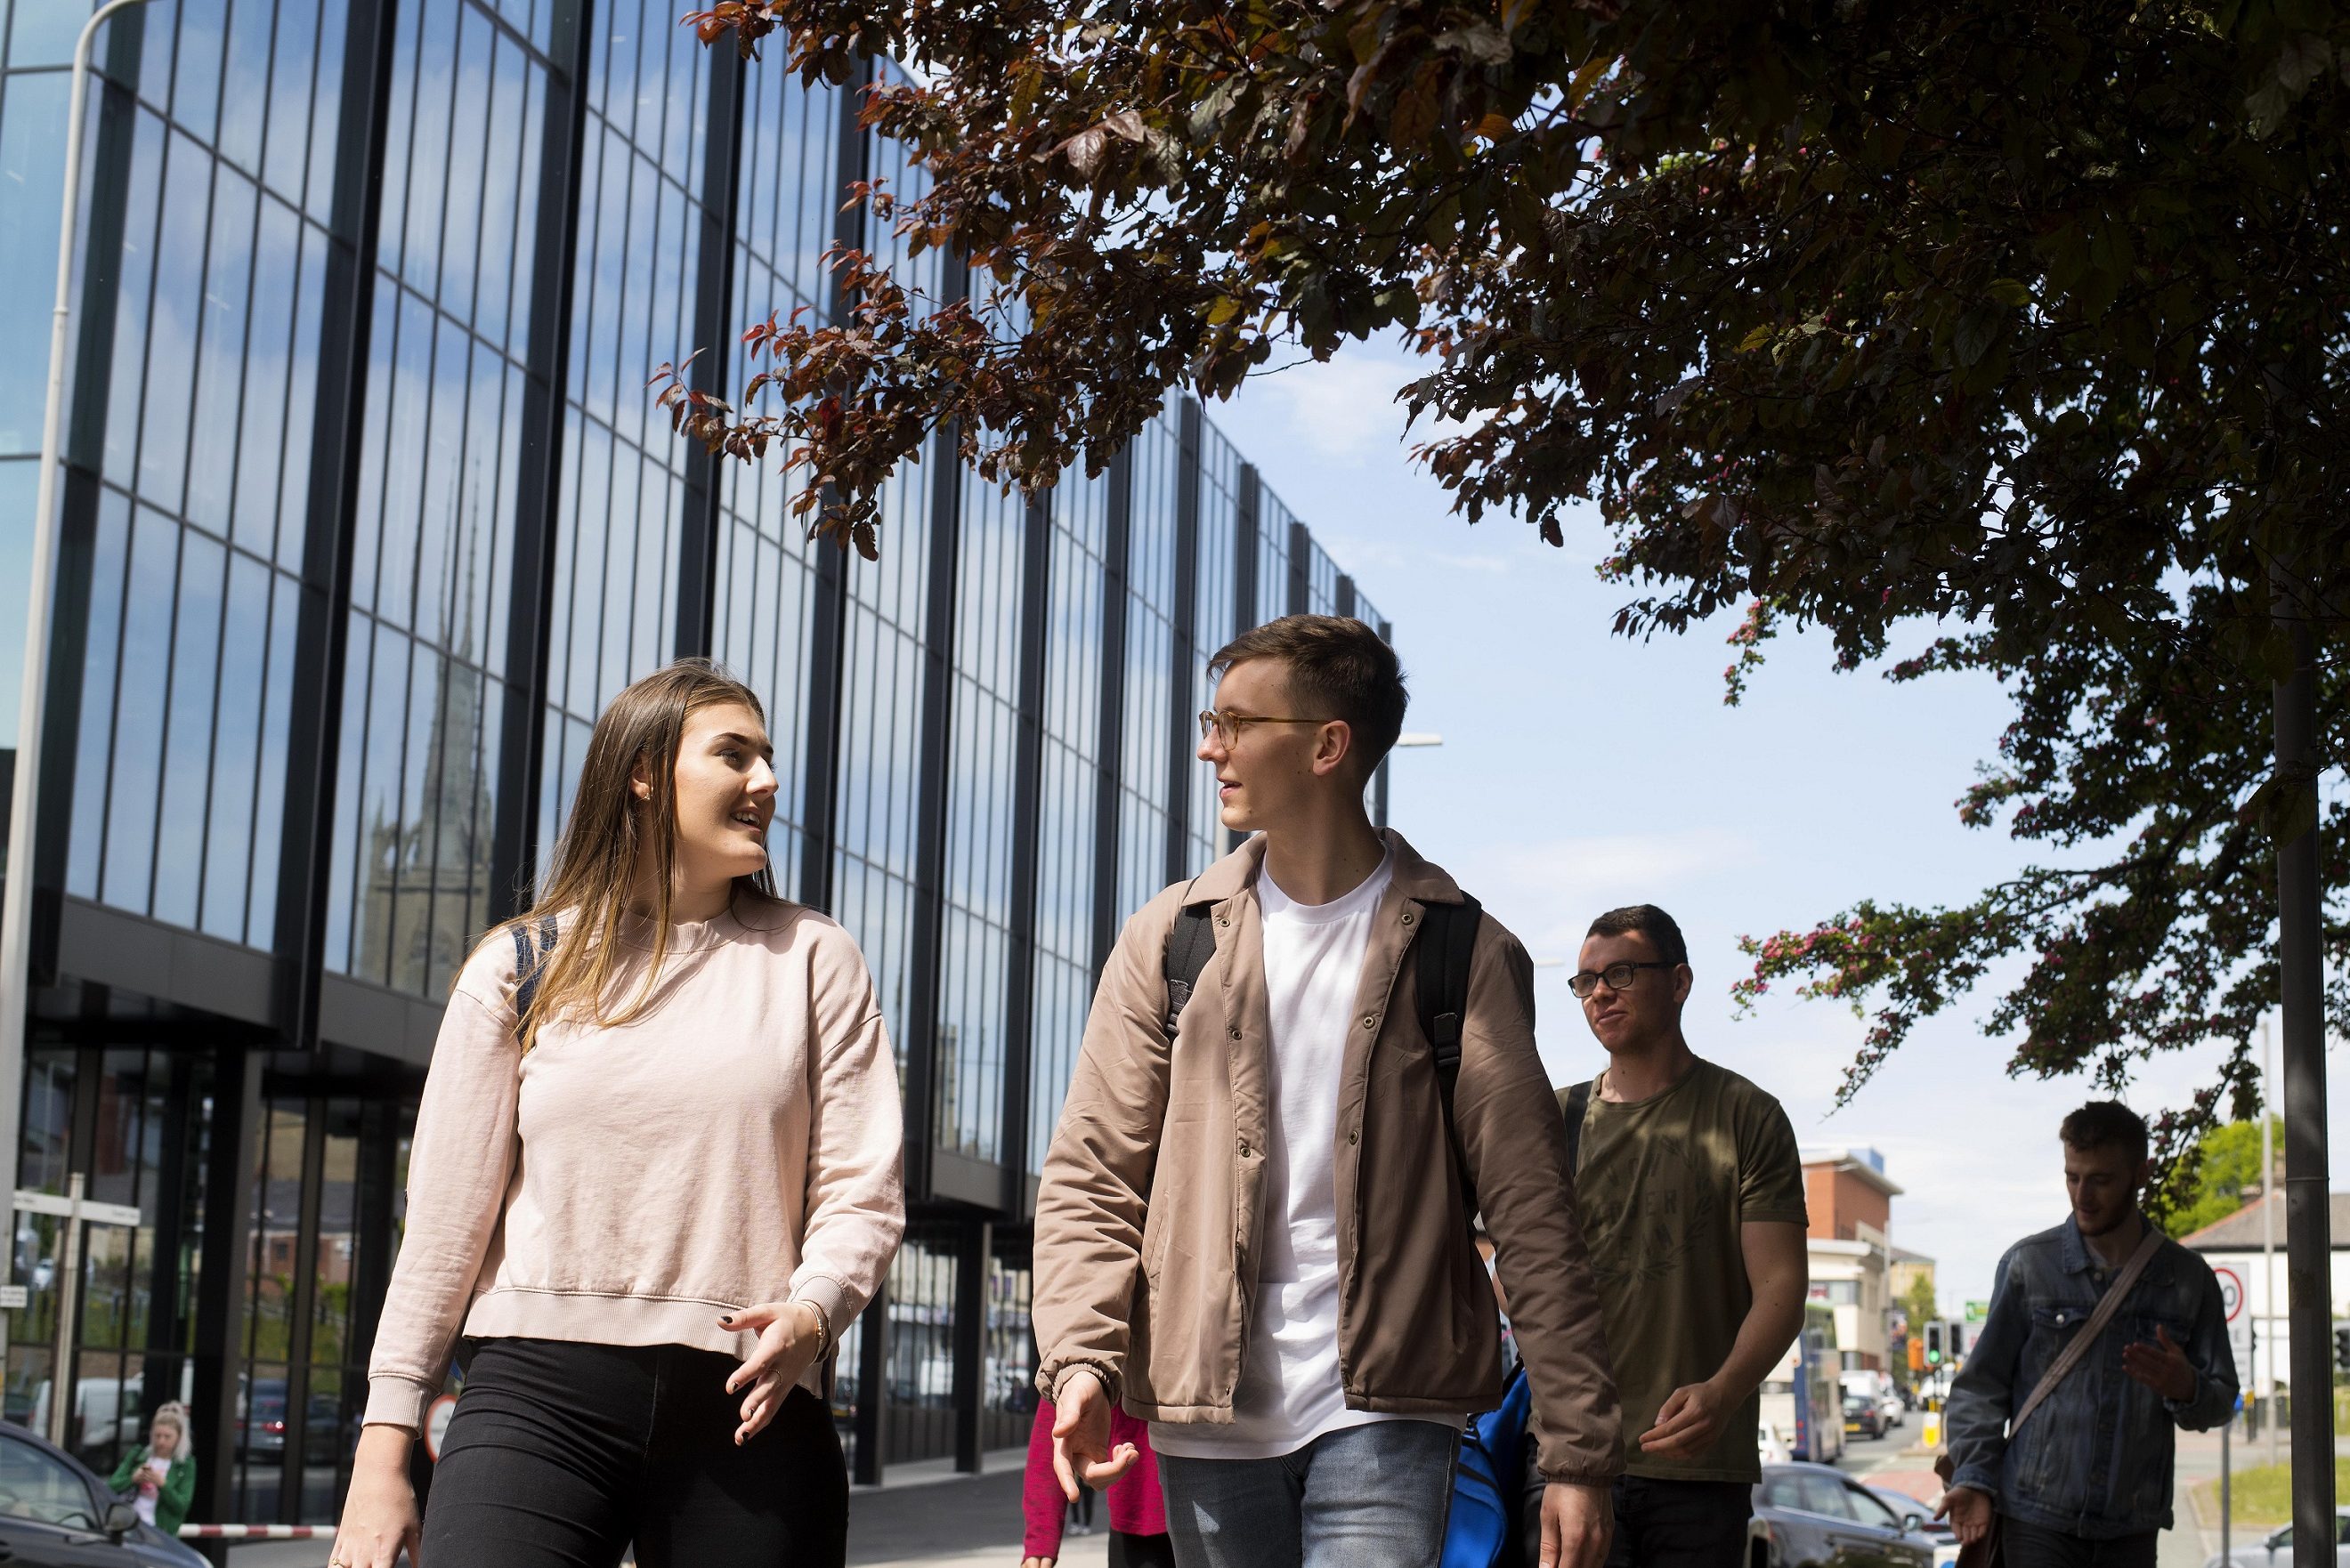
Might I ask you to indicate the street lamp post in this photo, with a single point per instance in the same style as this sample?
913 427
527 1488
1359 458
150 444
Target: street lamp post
16 899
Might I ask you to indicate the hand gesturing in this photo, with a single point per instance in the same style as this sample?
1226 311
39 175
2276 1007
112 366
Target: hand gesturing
2161 1367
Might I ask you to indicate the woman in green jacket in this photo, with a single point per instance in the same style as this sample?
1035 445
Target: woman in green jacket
161 1477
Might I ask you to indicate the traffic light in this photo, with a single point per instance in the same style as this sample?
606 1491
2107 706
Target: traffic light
2341 1348
1916 1354
1933 1344
1954 1340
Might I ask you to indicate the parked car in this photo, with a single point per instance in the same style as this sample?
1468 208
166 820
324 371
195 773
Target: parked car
1862 1418
1918 1519
55 1512
2276 1551
1814 1517
262 1429
1879 1387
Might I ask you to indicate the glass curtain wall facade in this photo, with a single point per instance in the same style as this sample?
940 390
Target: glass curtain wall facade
364 514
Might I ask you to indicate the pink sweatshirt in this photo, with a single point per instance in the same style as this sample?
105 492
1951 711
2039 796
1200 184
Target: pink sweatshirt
1135 1507
739 1142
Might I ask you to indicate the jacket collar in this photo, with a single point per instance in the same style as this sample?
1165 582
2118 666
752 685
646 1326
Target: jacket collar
2072 1252
1236 873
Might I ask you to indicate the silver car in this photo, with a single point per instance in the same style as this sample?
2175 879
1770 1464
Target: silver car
2276 1551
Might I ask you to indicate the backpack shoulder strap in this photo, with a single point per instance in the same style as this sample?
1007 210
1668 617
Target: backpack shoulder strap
529 964
1190 945
1447 945
1578 1103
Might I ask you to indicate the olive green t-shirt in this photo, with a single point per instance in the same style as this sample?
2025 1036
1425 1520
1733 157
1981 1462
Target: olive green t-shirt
1663 1185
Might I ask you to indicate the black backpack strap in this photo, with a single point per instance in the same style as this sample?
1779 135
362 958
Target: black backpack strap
1448 944
528 964
1578 1102
1189 947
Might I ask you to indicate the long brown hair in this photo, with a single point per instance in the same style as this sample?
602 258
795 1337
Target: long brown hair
586 890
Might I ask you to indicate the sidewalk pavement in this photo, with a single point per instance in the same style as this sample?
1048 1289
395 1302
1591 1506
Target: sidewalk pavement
2186 1544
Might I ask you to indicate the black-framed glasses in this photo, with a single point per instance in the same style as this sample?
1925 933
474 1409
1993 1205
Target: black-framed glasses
1227 725
1618 976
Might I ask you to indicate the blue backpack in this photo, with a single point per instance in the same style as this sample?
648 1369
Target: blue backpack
1488 1480
1489 1476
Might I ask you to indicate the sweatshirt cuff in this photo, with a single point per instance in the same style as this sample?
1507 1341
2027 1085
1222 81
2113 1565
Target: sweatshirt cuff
395 1401
830 1297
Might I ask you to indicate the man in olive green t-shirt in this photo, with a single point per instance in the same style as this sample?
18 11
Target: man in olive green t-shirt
1691 1194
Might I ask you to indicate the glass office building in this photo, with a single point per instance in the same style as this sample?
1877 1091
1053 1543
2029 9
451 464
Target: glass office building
365 514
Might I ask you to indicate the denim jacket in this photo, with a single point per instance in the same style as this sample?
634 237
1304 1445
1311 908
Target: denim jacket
2095 1460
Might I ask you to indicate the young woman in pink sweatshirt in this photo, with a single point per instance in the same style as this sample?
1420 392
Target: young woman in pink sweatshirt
656 1172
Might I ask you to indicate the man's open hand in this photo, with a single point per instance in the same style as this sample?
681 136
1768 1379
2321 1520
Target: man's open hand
1081 1453
1968 1511
1577 1522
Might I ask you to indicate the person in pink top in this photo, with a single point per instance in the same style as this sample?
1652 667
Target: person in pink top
656 1174
1138 1518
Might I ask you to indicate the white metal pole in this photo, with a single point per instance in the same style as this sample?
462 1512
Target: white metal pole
2267 1320
17 899
68 1287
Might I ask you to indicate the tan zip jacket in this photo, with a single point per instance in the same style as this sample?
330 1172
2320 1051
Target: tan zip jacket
1149 1211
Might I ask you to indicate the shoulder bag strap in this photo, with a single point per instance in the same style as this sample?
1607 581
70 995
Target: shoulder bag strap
2071 1355
1578 1106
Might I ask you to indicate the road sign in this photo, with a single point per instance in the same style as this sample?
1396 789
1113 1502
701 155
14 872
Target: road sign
12 1298
1978 1311
436 1423
2240 1340
2232 1292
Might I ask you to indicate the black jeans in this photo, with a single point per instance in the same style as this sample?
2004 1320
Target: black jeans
559 1455
2037 1546
1679 1523
1140 1551
1658 1523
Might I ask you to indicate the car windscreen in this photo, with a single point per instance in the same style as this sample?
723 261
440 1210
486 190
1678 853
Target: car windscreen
34 1485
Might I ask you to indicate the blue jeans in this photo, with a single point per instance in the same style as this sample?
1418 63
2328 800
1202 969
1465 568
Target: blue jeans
1363 1497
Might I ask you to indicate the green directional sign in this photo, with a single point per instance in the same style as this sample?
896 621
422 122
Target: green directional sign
1978 1311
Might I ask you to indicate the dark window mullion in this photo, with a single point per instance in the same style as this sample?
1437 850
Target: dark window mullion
114 690
171 682
448 157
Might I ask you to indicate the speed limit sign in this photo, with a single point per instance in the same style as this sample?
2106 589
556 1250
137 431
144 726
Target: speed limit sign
2232 1292
436 1423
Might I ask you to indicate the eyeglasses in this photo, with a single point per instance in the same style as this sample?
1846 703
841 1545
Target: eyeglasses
1227 725
1618 976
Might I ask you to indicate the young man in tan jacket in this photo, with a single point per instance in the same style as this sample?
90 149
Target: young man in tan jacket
1253 1228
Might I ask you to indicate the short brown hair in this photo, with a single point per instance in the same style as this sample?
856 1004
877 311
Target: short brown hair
1338 665
1663 932
2106 1124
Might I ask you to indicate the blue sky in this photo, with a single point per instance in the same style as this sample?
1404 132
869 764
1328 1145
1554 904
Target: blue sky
1581 770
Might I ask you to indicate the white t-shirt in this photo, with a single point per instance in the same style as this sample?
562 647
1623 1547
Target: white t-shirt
144 1502
1290 1392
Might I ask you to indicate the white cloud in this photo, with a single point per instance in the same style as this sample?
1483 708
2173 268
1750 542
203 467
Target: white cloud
1547 890
1345 407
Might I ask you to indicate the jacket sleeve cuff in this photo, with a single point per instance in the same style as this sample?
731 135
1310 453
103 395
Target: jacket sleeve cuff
1580 1477
1980 1478
395 1401
1054 1381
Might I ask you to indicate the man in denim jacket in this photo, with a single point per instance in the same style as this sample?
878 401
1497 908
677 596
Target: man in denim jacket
2086 1482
